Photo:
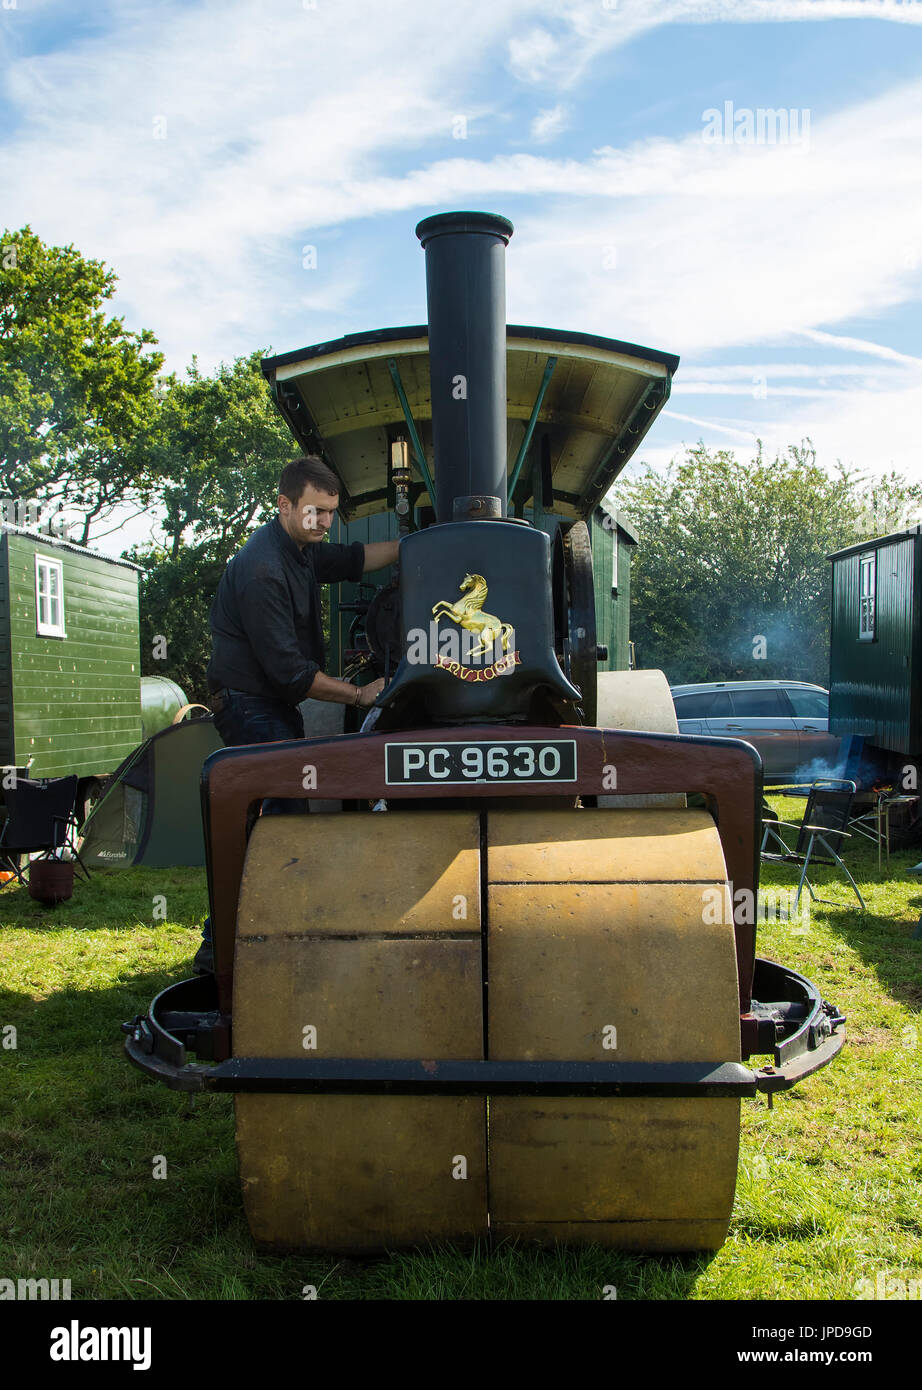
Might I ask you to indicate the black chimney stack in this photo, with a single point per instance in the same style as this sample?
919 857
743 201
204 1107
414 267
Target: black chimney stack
466 293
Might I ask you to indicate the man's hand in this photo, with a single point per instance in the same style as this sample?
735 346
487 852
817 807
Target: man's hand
324 687
370 693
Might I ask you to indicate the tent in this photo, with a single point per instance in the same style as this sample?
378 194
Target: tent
150 811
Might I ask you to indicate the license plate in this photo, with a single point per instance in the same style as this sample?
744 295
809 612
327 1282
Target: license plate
456 764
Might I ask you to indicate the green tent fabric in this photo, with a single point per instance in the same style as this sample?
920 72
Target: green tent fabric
151 812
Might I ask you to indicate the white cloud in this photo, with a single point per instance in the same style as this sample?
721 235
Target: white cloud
873 431
861 345
549 123
283 133
575 33
532 55
731 371
272 130
723 246
741 432
205 226
873 427
822 382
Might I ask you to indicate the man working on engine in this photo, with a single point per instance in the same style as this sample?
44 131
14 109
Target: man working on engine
266 623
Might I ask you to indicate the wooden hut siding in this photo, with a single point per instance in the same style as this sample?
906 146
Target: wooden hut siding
76 698
874 686
6 692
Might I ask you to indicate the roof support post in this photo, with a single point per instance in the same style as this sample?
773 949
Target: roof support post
418 450
532 421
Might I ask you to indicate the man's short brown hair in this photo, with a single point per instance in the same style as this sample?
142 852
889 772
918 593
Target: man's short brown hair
309 470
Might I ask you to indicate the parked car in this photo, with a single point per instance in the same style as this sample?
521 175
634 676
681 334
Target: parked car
786 721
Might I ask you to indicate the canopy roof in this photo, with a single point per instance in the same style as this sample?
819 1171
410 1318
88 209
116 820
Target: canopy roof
342 400
876 542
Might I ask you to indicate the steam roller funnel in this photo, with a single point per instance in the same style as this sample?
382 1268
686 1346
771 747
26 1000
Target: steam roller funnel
466 296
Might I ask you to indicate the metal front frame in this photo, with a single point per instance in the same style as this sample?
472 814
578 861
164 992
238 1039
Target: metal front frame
788 1018
350 767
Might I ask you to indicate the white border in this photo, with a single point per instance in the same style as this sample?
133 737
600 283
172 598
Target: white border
49 629
484 781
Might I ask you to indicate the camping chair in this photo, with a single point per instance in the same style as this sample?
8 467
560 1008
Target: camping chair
826 816
40 819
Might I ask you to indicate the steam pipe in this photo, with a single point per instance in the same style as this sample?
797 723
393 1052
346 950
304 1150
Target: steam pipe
466 294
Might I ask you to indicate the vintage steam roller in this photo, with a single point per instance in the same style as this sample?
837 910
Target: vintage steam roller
505 982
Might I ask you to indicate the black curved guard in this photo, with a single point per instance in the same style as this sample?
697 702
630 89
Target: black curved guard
807 1029
797 1025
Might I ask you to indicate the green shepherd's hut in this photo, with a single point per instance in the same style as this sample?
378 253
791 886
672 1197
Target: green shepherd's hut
69 657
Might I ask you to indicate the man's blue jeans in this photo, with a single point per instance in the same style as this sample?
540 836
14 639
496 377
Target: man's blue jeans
258 719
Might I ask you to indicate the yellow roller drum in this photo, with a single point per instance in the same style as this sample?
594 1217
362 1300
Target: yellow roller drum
602 945
607 936
361 938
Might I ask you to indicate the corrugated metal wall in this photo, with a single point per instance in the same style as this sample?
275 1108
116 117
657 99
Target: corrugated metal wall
871 683
76 699
612 592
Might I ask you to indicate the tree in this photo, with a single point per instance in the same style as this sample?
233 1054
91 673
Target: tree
212 464
175 596
76 388
730 579
214 458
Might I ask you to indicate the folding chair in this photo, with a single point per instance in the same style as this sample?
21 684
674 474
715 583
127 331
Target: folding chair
826 816
40 821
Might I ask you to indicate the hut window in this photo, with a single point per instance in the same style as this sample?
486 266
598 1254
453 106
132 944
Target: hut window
867 592
49 597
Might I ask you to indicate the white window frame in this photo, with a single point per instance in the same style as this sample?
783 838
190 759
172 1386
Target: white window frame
49 628
867 595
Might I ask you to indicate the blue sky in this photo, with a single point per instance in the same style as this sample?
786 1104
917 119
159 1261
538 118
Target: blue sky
197 148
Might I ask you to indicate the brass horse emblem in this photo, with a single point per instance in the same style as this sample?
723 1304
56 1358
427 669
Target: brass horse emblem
468 614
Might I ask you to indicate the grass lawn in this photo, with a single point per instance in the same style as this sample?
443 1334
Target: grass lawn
830 1180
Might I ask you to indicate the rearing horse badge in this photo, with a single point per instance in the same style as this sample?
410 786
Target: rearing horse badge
468 614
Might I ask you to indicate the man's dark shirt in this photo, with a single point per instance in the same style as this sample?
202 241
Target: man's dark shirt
266 621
